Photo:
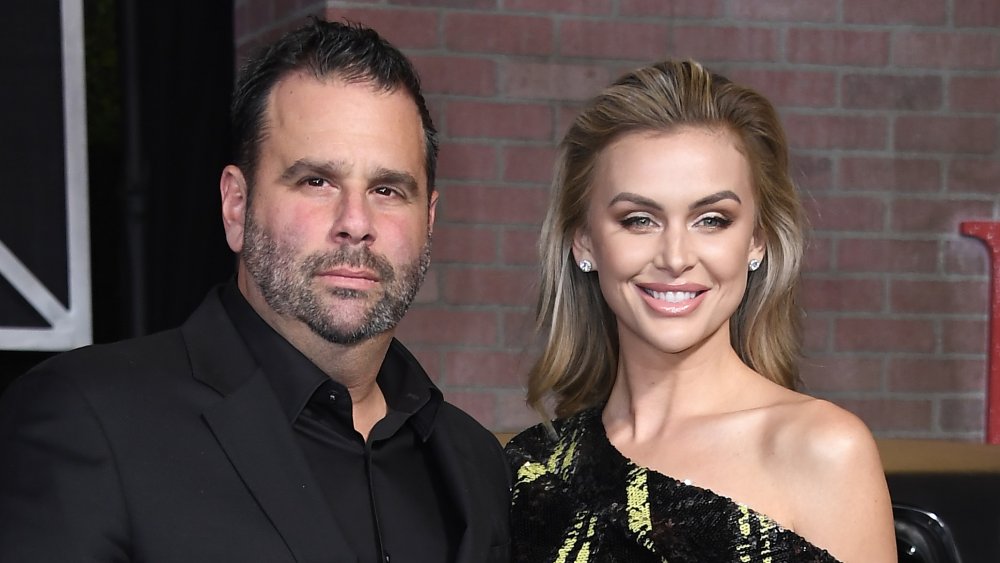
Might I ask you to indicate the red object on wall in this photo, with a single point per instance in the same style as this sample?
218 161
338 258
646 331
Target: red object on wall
989 233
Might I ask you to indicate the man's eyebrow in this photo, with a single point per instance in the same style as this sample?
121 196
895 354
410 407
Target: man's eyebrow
332 169
396 178
716 198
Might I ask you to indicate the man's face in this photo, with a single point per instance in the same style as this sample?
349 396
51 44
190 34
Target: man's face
336 234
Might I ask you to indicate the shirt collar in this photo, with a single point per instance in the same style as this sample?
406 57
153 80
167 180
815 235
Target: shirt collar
404 383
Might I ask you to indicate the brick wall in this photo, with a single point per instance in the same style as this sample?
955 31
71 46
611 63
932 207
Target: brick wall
891 107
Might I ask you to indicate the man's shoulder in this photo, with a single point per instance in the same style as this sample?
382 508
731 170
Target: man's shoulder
462 425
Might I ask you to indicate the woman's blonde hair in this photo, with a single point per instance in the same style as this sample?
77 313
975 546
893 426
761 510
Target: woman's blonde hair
577 367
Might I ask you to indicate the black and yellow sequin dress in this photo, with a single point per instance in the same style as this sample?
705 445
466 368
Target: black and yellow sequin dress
579 500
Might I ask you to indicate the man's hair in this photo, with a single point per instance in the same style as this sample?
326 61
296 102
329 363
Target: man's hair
580 359
345 51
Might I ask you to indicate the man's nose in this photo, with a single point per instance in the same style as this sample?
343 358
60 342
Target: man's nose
353 219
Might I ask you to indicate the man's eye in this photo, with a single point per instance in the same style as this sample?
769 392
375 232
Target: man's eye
315 182
386 191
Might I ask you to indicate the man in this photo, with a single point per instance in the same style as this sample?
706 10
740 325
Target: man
282 421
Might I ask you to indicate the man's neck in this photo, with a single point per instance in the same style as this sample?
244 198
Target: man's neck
355 366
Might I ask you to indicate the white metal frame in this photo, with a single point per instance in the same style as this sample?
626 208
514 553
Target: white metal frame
70 326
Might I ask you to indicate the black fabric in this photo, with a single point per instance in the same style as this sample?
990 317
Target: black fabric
576 498
384 493
175 448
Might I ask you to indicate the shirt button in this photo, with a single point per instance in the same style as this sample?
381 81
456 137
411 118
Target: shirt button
333 396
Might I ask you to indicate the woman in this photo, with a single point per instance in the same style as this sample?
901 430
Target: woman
670 262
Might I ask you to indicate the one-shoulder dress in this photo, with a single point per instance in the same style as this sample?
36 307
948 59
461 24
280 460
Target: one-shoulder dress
577 499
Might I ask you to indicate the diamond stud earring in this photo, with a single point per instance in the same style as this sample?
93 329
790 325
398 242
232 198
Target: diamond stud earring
586 265
754 264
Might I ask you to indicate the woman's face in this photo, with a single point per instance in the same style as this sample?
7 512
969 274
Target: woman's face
670 232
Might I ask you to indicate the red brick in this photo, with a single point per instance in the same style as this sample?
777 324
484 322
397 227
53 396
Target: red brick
673 8
490 286
974 176
554 81
895 12
946 134
836 131
965 255
884 335
811 172
946 50
891 414
429 290
936 215
976 13
610 39
590 7
429 357
838 47
513 414
963 336
724 44
890 174
963 415
881 255
782 10
975 93
466 161
935 374
481 405
484 368
480 204
494 33
461 4
456 75
948 297
465 243
519 331
790 88
842 295
818 255
841 373
816 334
499 121
846 213
520 246
529 164
433 325
406 29
892 92
568 112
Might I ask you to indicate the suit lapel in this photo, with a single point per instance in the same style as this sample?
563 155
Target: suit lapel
258 439
251 429
464 489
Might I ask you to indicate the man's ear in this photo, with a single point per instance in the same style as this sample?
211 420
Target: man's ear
431 211
233 188
583 248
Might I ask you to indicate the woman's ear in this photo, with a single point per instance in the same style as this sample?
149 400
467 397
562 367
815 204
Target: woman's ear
583 248
758 246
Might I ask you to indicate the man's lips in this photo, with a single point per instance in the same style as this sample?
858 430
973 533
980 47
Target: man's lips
343 277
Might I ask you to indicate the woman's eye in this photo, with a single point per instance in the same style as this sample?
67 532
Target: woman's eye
638 222
715 222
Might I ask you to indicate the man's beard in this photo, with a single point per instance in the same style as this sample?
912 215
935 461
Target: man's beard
287 283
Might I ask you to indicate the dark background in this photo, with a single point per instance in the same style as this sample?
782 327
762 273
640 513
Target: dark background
159 75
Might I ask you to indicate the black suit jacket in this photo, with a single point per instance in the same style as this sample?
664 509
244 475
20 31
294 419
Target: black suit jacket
173 447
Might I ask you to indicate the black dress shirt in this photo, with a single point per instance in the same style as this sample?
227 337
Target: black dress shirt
385 493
